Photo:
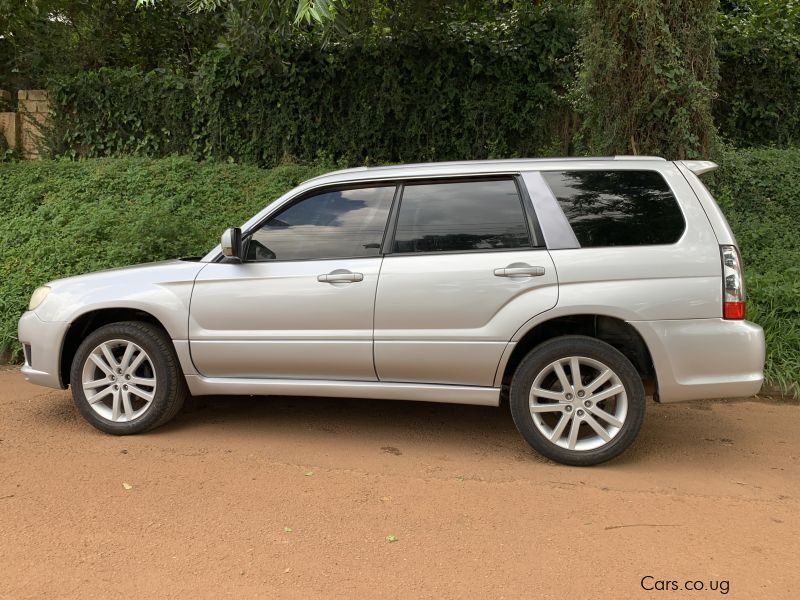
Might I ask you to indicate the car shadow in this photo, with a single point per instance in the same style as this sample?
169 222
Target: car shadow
451 427
382 418
670 434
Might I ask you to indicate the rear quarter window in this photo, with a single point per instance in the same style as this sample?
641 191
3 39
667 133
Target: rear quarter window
618 208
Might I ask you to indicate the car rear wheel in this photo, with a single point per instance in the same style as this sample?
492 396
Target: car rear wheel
577 400
126 378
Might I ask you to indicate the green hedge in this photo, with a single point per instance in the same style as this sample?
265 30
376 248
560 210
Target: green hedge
62 218
419 97
461 91
758 44
471 91
759 191
648 77
89 119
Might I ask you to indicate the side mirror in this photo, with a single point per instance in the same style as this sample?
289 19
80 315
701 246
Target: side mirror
231 242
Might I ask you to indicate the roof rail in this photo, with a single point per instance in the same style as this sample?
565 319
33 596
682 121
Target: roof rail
638 157
517 161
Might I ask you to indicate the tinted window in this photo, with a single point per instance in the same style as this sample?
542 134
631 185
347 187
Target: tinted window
470 215
333 224
618 208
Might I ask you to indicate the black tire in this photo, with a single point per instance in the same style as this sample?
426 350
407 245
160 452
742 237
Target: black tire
170 391
538 360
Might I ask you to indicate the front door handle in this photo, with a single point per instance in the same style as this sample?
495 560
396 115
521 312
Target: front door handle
519 271
340 276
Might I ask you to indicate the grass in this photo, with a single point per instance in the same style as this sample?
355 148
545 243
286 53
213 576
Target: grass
759 192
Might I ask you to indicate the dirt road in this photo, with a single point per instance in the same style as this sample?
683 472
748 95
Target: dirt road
295 498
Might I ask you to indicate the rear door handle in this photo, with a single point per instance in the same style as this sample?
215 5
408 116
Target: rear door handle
340 277
519 272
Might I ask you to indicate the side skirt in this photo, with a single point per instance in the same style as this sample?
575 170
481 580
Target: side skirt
422 392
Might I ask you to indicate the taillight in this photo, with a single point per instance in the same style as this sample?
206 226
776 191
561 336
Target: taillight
733 298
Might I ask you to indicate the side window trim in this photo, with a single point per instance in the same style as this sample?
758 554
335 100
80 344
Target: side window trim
557 232
391 225
534 229
248 234
388 247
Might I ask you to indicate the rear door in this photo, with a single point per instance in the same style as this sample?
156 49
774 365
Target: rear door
463 271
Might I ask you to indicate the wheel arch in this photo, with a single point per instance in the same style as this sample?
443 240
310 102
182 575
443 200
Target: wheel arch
610 329
92 320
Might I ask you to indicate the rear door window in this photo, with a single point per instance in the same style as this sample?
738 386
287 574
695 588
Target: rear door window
461 216
618 208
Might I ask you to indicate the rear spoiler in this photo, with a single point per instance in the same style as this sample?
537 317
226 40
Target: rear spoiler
698 167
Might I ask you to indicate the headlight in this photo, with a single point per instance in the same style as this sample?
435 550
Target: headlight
39 294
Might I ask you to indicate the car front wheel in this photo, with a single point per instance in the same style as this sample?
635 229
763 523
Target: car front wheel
126 378
577 400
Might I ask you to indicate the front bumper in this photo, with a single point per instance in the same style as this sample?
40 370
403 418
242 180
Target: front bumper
705 358
43 362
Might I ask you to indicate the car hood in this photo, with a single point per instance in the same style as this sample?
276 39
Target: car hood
154 271
148 287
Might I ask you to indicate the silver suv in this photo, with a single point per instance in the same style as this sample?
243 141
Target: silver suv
574 285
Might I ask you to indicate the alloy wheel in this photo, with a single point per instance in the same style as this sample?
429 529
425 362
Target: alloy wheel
578 403
119 380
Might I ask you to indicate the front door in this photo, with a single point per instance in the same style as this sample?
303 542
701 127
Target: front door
301 305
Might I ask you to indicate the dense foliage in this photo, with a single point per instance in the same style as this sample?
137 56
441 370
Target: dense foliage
490 76
647 77
759 191
113 112
42 39
427 95
464 92
62 218
759 87
478 80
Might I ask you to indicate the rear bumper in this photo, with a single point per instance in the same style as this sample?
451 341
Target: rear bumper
43 363
705 358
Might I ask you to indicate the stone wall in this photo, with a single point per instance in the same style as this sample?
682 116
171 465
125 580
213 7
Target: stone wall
22 129
8 120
